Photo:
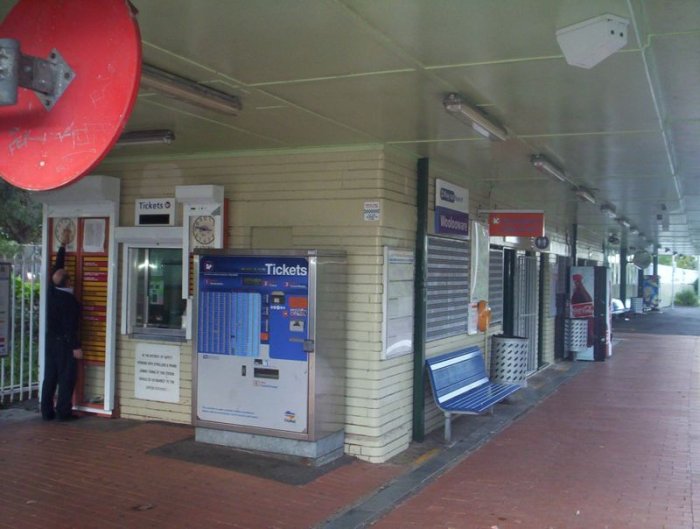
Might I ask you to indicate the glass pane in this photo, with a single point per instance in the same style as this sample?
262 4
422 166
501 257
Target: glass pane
159 302
141 276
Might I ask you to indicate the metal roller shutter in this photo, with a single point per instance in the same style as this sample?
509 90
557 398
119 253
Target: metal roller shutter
447 287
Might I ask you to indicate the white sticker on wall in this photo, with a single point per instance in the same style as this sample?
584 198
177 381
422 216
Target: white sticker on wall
371 211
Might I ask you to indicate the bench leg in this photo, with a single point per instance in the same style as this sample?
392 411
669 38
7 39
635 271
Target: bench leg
448 428
491 411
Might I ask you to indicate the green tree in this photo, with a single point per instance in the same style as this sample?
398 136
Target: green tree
687 298
688 262
8 248
20 216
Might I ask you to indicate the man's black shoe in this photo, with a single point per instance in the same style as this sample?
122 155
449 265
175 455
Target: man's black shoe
68 418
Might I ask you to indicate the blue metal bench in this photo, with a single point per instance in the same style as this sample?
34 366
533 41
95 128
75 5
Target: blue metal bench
461 385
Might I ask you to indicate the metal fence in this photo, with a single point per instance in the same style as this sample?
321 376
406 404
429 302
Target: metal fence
19 367
526 306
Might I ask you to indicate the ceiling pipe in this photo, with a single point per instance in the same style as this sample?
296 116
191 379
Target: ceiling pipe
655 100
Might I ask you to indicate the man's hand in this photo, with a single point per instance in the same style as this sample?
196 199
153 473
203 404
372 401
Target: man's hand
66 236
78 354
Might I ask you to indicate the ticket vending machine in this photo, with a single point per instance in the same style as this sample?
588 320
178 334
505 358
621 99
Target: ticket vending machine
269 351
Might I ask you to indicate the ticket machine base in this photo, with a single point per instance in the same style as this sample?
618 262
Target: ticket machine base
317 452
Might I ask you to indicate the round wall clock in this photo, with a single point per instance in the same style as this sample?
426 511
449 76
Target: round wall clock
542 243
204 229
59 228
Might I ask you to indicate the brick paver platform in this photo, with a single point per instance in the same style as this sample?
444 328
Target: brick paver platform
618 447
64 475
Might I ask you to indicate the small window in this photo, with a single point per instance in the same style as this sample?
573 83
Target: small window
156 306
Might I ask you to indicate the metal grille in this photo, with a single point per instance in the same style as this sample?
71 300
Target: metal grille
526 305
576 335
562 276
19 364
562 272
496 284
447 287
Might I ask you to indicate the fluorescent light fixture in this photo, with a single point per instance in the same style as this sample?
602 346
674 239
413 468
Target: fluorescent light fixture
585 194
623 222
609 210
146 137
189 91
540 162
455 105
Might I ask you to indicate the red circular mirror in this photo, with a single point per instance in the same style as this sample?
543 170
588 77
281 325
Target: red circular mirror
44 149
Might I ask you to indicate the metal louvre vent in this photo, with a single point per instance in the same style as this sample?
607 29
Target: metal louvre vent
496 285
447 287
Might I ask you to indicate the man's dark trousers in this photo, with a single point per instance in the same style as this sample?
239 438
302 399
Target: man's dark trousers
60 368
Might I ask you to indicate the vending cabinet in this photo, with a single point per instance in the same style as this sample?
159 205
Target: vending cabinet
589 301
269 350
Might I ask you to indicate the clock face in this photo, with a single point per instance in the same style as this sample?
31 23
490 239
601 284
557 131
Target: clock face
64 230
204 229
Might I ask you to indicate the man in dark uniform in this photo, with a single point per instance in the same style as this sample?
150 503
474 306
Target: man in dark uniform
62 342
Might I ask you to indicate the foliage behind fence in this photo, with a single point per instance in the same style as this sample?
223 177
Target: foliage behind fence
19 370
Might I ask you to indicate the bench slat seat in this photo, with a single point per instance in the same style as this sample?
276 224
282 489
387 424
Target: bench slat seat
460 384
481 399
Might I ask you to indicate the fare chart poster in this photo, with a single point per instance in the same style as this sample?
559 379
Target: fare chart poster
251 304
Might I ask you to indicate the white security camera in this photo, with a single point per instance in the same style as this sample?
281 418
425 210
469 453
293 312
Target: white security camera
589 42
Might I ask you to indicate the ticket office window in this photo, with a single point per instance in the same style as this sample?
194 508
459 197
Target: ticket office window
156 307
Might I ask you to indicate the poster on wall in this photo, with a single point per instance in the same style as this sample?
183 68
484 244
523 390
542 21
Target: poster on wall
581 288
473 318
157 372
479 262
581 299
650 291
397 328
553 282
94 231
5 276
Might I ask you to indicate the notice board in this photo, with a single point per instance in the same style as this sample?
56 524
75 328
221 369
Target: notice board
397 328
